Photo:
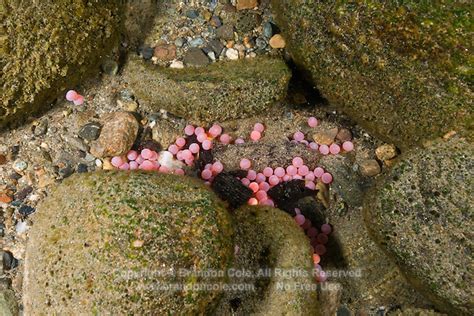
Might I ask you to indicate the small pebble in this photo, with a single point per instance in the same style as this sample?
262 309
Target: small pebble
277 41
232 54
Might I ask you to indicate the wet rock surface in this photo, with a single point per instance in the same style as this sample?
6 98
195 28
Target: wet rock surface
104 226
422 210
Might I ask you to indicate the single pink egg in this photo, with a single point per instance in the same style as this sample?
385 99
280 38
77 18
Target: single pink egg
125 166
307 224
279 172
187 154
310 185
304 142
157 165
291 170
273 180
298 136
260 178
334 149
245 181
133 165
207 144
206 174
267 202
254 187
146 153
215 130
164 169
201 137
313 146
318 172
303 170
300 219
180 142
261 195
312 232
347 146
225 139
326 178
239 141
71 95
324 149
310 176
326 229
267 171
217 167
189 162
286 177
199 130
255 135
189 130
312 121
251 174
259 127
208 166
179 155
297 162
320 249
79 100
140 159
117 161
173 149
264 186
245 164
154 156
132 155
179 171
147 165
253 201
194 148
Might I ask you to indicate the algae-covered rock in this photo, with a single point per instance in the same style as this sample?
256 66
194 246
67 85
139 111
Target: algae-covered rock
47 47
422 215
111 243
404 72
220 91
277 257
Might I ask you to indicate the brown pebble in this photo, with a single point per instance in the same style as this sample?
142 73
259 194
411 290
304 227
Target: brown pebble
325 137
246 4
369 168
107 165
277 41
386 152
165 52
3 159
5 198
118 134
344 135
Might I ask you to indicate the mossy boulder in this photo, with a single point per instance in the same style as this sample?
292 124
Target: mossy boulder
422 216
105 243
220 91
49 46
404 72
278 257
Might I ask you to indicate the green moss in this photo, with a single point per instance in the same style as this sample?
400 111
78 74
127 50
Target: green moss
42 57
401 70
187 228
220 91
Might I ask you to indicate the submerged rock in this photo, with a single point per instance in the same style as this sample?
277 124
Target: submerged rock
49 46
401 71
267 238
101 240
423 210
220 91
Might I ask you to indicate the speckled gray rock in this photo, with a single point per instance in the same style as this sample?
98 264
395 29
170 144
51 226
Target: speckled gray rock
268 238
103 243
220 91
422 215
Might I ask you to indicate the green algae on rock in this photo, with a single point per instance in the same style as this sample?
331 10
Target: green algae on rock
220 91
422 216
106 242
404 72
49 46
268 238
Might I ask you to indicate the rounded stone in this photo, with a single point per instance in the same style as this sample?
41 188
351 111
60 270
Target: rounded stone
423 210
104 242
